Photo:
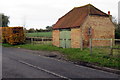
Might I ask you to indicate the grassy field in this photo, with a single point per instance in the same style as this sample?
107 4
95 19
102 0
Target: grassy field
39 34
98 57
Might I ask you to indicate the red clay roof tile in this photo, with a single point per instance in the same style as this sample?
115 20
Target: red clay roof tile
76 16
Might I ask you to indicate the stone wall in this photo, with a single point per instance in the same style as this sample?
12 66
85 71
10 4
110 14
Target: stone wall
75 38
102 28
56 36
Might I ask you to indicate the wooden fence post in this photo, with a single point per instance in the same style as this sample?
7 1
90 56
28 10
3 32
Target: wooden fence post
90 46
32 41
81 44
42 41
111 47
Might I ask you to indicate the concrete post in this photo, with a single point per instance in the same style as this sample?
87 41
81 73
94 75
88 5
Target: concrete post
119 12
0 20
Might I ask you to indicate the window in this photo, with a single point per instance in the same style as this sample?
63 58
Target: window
89 31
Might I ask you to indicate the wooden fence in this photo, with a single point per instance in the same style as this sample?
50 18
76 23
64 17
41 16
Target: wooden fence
111 46
38 40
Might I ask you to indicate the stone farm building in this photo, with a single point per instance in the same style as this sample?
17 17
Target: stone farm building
74 29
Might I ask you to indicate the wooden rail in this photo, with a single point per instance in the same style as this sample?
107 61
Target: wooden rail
38 39
107 39
111 45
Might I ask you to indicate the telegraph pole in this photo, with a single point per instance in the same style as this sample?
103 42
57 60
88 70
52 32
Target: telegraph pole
24 21
119 12
0 19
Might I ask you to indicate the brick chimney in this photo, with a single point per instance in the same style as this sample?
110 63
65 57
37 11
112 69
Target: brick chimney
108 12
110 16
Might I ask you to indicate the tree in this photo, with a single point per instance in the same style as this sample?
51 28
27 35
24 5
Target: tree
37 30
117 32
5 21
25 30
49 28
31 30
117 28
0 20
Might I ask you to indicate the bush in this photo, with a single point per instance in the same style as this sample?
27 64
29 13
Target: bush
117 32
117 35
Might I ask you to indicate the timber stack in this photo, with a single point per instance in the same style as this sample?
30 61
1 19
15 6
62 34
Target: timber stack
12 35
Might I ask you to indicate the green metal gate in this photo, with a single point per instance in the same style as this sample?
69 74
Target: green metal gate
65 39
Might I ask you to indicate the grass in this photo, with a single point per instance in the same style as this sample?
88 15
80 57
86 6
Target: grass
39 34
98 57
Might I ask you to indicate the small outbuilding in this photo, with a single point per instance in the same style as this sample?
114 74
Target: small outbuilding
74 29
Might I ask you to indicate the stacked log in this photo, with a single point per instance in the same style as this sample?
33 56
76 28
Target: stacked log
3 34
0 35
13 35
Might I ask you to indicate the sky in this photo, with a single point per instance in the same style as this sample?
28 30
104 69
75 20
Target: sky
119 12
41 13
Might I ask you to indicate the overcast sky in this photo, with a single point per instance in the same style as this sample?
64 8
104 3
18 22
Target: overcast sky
42 13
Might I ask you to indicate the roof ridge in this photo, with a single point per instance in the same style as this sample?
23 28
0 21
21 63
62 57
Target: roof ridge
84 6
87 5
98 9
76 16
89 8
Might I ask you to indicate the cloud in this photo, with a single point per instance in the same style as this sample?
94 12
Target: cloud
46 12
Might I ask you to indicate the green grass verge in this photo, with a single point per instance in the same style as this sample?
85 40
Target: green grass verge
39 34
98 57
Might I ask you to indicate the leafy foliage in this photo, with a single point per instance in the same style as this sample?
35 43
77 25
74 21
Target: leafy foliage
5 21
49 28
117 31
31 30
117 28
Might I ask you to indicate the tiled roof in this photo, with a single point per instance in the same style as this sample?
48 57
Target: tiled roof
76 16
